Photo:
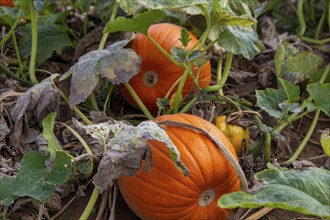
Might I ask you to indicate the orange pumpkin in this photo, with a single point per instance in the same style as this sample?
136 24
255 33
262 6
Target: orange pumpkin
165 193
8 3
157 72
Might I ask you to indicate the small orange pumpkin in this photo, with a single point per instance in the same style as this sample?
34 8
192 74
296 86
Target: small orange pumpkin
165 193
8 3
158 73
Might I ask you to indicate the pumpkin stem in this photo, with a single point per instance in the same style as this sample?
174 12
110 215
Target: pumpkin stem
150 78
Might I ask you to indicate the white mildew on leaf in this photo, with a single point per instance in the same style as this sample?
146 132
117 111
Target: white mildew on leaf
127 147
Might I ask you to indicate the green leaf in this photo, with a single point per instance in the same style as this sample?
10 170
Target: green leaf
83 5
305 62
48 126
296 66
34 179
306 192
85 168
52 37
321 95
179 54
163 103
325 141
292 91
231 26
269 100
222 17
171 4
239 40
9 15
103 7
140 23
195 55
130 6
184 37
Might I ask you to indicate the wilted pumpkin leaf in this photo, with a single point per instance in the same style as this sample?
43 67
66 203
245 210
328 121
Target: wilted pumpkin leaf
296 66
306 192
4 128
139 23
32 107
321 95
47 132
36 179
52 37
170 4
269 100
115 63
126 147
120 65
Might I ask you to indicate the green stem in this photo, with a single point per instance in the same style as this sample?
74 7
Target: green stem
328 16
219 73
92 101
180 88
195 98
267 146
34 45
210 45
76 110
12 29
301 19
164 52
315 41
306 138
90 205
319 26
19 60
226 71
107 99
138 101
10 74
80 139
112 17
208 25
85 22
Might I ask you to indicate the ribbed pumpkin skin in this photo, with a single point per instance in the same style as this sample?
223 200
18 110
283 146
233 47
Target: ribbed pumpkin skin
8 3
166 35
165 193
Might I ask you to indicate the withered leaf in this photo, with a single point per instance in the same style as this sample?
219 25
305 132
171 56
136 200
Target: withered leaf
126 148
32 107
115 63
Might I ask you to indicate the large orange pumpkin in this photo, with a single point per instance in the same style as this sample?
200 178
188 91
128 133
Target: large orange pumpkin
165 193
8 3
157 72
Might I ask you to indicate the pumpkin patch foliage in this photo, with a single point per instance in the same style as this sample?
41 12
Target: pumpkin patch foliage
164 109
